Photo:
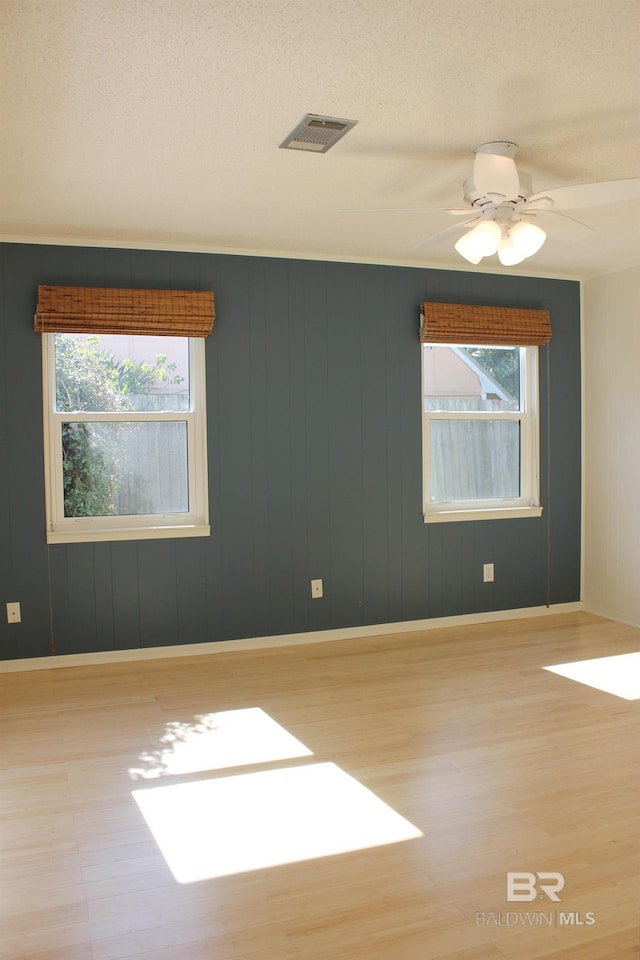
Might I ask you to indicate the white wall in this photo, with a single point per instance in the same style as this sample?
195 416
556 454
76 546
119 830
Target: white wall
612 445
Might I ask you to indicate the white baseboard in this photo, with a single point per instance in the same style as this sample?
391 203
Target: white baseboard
284 640
608 614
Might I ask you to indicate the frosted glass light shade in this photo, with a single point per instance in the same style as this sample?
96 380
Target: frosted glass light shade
486 236
468 249
508 253
527 237
480 242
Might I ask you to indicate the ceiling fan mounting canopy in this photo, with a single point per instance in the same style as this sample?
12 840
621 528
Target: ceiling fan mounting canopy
499 148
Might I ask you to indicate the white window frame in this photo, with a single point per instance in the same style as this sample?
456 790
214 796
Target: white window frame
528 503
194 523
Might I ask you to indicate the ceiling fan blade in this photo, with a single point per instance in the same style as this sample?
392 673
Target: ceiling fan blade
590 194
451 210
495 174
449 232
559 226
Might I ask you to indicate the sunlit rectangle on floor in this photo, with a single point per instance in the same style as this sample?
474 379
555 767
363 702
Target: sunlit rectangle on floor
214 741
619 674
232 824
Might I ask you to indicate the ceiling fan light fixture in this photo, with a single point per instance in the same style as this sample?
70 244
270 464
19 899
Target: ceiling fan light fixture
527 237
508 253
487 236
468 249
481 241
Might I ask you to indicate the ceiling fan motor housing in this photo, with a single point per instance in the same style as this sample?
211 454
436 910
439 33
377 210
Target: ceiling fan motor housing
474 198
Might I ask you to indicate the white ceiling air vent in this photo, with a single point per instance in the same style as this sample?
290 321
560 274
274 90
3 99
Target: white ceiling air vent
317 134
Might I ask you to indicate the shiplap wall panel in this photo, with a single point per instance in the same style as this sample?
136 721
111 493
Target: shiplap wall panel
451 560
299 295
315 536
391 438
234 515
376 464
62 594
191 590
74 602
105 593
121 590
344 337
6 570
22 481
566 451
281 474
257 320
7 566
158 594
213 614
415 572
314 445
19 580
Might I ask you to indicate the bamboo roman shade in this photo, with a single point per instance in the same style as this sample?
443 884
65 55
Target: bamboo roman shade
465 323
165 313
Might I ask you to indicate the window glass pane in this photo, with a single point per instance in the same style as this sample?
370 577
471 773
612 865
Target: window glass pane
471 378
474 459
117 469
119 373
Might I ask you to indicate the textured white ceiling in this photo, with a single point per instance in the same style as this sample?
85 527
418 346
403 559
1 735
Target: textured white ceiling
157 122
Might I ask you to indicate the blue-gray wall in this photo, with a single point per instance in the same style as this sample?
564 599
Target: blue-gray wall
313 377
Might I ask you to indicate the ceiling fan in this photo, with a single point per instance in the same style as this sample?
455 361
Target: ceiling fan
509 219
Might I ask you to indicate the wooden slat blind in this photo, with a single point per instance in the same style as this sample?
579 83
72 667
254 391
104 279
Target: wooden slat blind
466 323
167 313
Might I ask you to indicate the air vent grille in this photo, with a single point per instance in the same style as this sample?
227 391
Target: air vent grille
317 134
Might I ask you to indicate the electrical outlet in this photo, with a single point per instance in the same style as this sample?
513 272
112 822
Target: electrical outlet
316 589
487 573
13 613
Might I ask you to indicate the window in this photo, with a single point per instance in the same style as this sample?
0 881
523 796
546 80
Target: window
125 436
480 432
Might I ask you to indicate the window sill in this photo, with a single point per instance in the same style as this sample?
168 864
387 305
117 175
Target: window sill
497 513
128 533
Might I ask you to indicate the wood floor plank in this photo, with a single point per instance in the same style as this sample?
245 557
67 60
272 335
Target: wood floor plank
81 951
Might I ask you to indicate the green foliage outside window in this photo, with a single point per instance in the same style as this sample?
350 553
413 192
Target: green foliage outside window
89 379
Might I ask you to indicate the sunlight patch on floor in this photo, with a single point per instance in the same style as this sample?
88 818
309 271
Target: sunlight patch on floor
232 824
215 741
619 675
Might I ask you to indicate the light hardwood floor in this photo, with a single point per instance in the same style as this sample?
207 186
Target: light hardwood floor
500 766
